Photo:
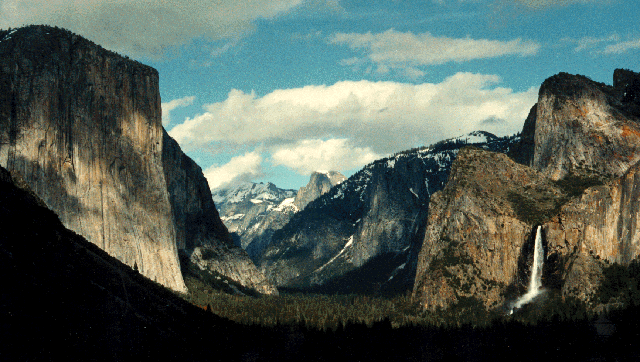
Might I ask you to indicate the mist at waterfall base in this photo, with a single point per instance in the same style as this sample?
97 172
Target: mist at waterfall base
535 282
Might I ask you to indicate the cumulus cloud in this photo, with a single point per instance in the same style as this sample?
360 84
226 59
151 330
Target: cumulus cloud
171 105
144 27
394 49
307 156
380 117
239 168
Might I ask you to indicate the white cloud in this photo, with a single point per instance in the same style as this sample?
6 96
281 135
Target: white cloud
622 47
145 27
394 49
588 43
171 105
243 167
611 44
307 156
540 4
385 116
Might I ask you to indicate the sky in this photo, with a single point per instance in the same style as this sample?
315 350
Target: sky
272 90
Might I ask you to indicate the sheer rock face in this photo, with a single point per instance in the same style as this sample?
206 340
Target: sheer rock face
582 125
582 142
83 127
478 228
602 224
195 215
319 184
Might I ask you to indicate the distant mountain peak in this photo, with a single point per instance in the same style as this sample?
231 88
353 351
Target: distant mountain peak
320 183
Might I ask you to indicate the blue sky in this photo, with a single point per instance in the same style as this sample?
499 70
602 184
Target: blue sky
269 90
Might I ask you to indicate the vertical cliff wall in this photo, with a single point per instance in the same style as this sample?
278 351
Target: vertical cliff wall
83 127
582 142
366 232
319 184
478 228
582 126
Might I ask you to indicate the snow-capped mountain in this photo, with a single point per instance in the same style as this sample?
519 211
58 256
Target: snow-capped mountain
254 211
365 233
249 210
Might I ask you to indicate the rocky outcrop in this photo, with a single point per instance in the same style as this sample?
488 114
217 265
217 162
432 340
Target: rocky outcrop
584 126
581 141
83 127
479 225
600 225
319 184
369 222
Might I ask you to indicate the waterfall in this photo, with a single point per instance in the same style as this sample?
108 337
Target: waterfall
535 283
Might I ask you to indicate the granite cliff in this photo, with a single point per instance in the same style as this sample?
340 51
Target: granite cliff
576 176
479 228
82 126
319 184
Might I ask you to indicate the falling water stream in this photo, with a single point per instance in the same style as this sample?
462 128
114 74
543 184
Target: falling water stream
535 283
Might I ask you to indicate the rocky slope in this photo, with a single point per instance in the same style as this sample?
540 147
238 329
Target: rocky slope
253 211
581 142
82 125
201 235
369 222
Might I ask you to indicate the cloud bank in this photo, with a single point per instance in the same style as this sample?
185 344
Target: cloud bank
307 156
607 45
348 124
145 27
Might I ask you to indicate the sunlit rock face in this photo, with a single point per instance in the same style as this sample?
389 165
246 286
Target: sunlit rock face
319 184
82 126
582 142
480 229
584 126
602 224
